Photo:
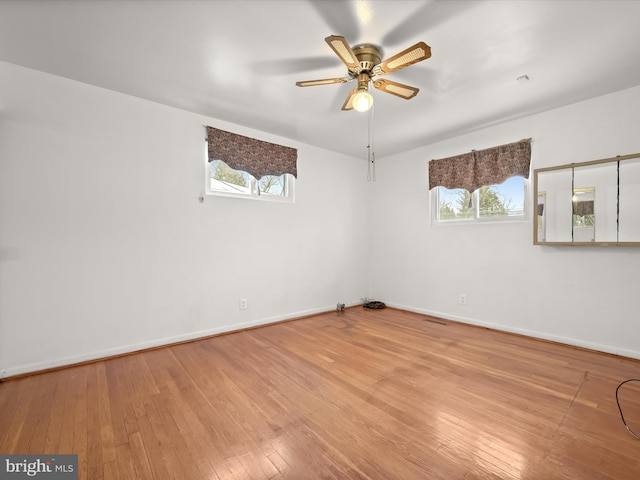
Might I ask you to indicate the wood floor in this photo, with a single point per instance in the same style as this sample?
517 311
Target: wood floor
354 395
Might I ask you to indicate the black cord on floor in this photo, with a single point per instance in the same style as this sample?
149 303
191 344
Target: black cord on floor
620 408
373 304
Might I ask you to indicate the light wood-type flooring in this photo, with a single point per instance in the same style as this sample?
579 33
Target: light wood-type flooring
382 394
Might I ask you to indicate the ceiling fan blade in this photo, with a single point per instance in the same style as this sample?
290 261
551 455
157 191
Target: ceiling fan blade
414 54
398 89
348 104
325 81
339 45
340 16
288 66
428 17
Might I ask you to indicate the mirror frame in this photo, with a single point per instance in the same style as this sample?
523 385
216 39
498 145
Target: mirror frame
571 166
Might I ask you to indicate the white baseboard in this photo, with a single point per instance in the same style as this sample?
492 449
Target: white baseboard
156 342
159 342
528 333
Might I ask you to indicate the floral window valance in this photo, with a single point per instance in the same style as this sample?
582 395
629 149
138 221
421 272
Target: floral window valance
255 157
485 167
583 208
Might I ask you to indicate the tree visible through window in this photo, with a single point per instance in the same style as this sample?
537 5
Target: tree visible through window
224 179
489 202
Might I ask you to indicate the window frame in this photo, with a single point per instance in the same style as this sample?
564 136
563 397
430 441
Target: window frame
254 192
434 198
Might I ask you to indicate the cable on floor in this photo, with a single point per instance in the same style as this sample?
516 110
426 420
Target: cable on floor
373 305
620 408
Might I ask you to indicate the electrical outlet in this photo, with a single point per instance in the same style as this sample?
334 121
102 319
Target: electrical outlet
244 304
462 299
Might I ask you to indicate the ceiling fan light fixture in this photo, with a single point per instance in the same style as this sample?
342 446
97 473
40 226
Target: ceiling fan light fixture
362 101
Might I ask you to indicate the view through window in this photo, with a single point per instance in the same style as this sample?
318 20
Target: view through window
224 180
505 201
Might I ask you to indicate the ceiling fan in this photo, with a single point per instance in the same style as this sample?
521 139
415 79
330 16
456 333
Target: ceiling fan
364 65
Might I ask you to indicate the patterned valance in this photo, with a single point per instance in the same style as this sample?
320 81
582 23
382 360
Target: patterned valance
255 157
485 167
583 208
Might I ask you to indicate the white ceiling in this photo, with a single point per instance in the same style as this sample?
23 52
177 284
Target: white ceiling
238 60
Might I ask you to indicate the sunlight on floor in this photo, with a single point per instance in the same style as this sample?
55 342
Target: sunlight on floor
489 452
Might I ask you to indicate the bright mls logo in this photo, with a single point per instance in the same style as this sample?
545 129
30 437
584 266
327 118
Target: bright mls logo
49 467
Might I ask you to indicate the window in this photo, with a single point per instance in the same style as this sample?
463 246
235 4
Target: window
485 185
505 201
249 168
224 180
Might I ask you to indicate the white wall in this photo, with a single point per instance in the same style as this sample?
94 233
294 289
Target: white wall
105 248
585 296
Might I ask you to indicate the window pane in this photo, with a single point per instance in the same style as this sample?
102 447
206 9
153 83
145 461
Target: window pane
455 204
225 179
272 185
504 200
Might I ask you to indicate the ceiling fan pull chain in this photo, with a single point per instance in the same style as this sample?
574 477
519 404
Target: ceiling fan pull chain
371 154
369 147
373 166
373 148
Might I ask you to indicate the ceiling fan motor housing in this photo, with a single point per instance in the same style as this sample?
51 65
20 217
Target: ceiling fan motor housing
368 55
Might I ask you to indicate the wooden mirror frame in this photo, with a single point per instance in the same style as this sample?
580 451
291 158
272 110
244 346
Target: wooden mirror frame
540 211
